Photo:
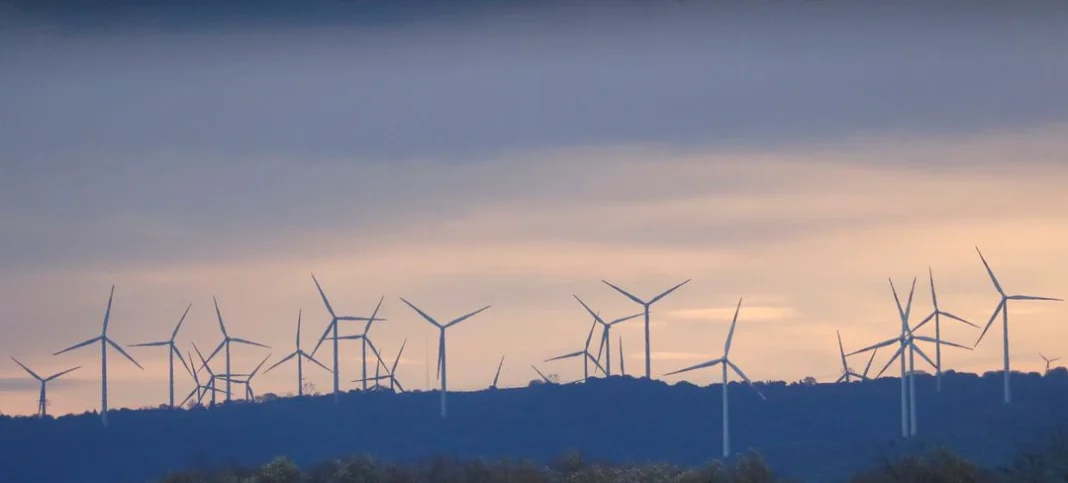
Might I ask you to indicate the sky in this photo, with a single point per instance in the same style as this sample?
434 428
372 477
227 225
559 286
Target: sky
798 158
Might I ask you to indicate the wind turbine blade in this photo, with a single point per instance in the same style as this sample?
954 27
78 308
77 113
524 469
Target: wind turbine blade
151 344
730 335
589 337
870 360
596 316
107 312
899 353
841 350
203 361
942 341
323 295
924 356
497 376
179 326
78 345
468 316
565 356
56 375
597 363
897 300
312 359
601 349
546 379
374 350
668 291
994 317
923 322
841 378
178 353
249 342
958 319
876 346
624 319
441 350
123 352
213 353
326 333
299 313
218 314
990 272
284 359
934 298
742 375
350 337
374 315
257 369
396 361
1031 297
696 366
622 360
908 306
625 293
34 374
425 316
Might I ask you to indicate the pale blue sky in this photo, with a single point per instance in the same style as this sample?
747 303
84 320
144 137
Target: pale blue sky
796 158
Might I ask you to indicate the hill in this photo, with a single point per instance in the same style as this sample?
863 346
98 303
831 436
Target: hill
814 432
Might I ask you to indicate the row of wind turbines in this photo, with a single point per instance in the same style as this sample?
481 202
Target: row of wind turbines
906 340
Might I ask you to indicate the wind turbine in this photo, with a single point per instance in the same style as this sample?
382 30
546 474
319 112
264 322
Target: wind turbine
332 329
300 355
104 342
937 314
226 344
847 372
725 361
391 372
212 377
1003 308
646 305
585 354
1047 359
42 403
442 373
247 381
907 342
605 335
365 341
497 376
171 351
200 388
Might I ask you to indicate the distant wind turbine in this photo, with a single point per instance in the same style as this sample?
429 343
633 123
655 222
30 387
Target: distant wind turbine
365 342
212 377
725 361
391 371
1047 359
42 402
847 372
200 389
104 342
646 305
331 331
300 355
606 334
172 350
585 354
937 314
1003 308
226 344
497 376
247 379
442 360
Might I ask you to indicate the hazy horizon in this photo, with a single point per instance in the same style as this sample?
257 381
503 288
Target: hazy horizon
794 157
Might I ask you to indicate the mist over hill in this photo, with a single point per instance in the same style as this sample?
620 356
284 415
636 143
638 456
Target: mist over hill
815 432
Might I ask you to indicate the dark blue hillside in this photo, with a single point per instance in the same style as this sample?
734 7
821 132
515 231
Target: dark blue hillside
817 432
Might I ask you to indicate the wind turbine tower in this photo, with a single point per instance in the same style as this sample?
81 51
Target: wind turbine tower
42 402
646 305
1003 308
726 362
172 351
104 342
442 361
